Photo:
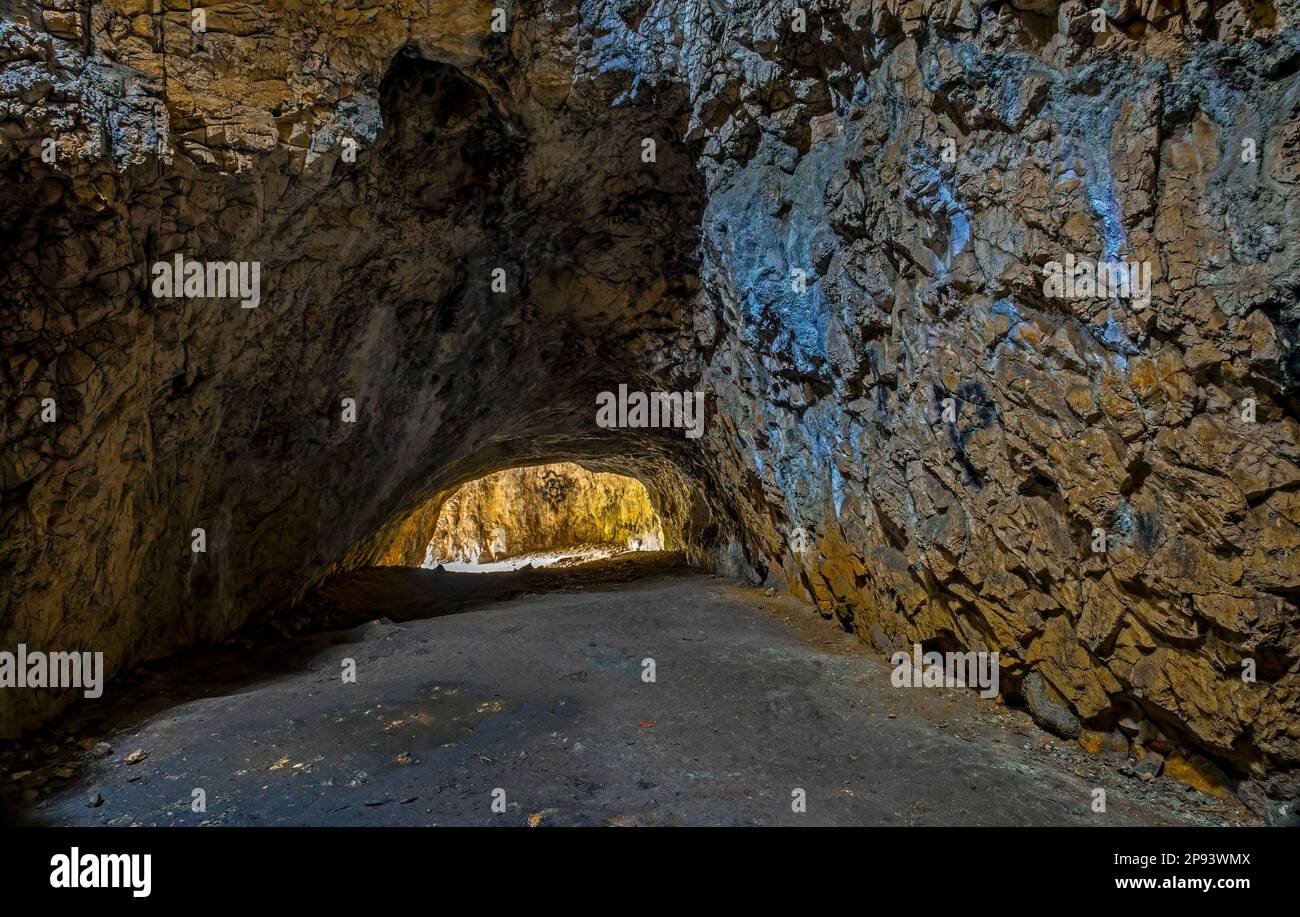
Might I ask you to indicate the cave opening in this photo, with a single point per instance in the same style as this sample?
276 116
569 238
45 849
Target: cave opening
558 514
541 269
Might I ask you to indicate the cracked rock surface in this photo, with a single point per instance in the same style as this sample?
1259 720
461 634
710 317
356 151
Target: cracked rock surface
841 241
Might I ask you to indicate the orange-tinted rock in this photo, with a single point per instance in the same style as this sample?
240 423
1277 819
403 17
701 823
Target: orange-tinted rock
1199 772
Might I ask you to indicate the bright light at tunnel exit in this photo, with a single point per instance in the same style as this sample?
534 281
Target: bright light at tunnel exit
542 515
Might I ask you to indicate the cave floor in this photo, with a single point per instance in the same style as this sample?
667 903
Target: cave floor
541 696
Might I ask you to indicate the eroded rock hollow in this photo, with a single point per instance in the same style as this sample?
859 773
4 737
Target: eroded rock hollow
834 219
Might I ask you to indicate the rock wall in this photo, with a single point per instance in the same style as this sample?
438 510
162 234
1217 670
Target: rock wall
841 239
942 444
542 508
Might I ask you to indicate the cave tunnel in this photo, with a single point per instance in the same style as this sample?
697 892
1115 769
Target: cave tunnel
619 395
573 271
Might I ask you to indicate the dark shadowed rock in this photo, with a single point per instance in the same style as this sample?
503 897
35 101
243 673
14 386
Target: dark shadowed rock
1046 712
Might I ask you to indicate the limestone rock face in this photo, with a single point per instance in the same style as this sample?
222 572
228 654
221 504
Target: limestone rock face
1101 489
841 238
543 508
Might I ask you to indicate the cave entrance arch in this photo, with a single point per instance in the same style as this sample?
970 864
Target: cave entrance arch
542 515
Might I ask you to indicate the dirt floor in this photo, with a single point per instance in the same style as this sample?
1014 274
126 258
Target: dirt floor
526 690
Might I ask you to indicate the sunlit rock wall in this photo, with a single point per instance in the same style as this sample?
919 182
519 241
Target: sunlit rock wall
543 508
